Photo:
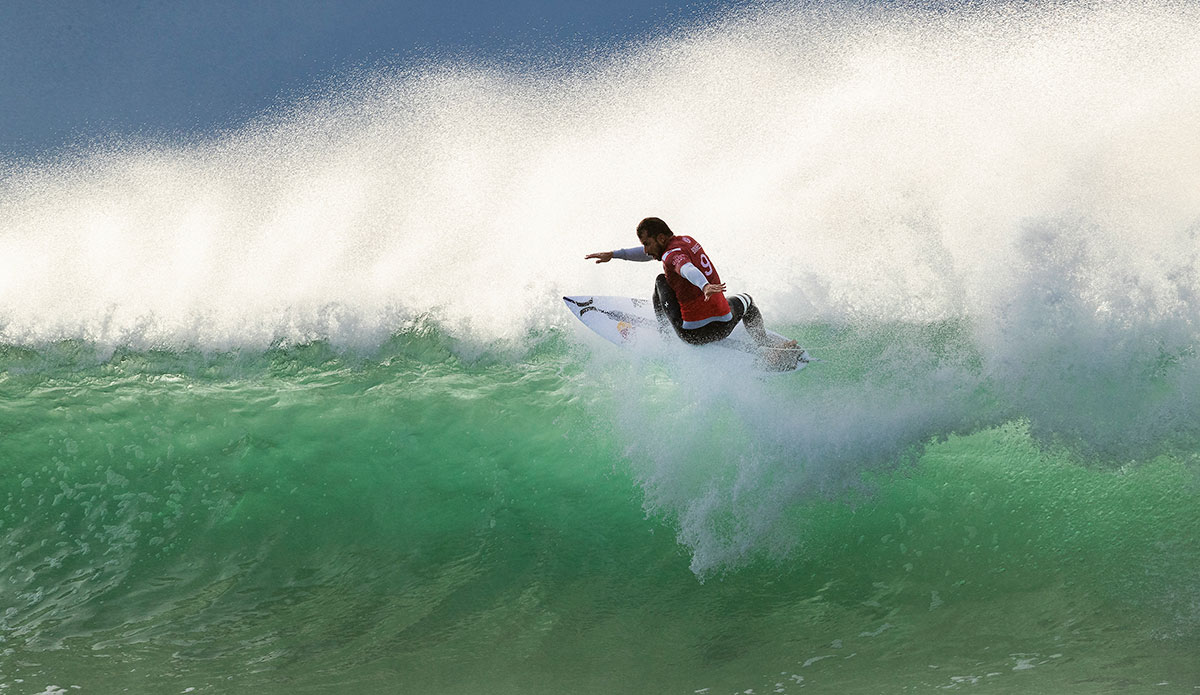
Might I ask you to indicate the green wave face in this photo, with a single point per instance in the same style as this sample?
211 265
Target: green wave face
413 520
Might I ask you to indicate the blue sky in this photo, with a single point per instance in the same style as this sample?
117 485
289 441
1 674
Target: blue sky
73 71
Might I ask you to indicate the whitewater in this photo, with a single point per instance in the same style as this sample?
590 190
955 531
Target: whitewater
296 407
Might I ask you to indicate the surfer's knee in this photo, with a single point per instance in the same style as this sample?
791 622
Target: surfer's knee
749 310
662 288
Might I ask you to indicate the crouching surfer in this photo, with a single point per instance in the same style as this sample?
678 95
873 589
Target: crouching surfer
689 294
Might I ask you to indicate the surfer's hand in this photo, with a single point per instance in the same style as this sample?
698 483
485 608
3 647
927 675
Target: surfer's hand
602 257
710 289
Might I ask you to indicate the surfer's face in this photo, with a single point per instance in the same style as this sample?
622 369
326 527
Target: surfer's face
653 245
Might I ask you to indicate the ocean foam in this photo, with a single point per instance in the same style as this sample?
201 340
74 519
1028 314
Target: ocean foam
839 163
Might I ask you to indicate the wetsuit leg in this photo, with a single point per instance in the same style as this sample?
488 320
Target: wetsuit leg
712 332
666 308
751 317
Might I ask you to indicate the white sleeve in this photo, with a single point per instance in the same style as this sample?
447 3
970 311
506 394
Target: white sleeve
636 253
693 275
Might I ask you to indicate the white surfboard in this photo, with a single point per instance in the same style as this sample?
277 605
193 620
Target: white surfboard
630 321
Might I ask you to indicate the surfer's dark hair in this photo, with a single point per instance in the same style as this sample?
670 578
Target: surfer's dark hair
654 227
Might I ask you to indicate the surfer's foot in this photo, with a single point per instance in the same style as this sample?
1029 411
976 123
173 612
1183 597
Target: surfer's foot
781 356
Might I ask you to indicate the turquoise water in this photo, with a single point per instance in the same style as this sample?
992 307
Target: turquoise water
297 408
414 521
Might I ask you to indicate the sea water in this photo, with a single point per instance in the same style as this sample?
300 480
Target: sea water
296 408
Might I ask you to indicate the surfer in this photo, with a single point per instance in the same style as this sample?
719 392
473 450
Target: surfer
689 294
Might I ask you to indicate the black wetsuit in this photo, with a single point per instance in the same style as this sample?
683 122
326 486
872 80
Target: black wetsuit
666 308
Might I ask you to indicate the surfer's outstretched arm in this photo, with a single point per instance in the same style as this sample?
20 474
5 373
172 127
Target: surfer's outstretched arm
637 253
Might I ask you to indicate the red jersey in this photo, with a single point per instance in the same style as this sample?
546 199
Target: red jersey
679 252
